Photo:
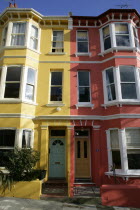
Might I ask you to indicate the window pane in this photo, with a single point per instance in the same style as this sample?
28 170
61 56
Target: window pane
133 159
58 44
106 31
29 94
116 159
12 90
82 36
107 43
121 28
34 31
82 46
84 94
7 138
58 132
19 28
127 74
13 73
111 92
81 133
85 149
133 138
3 156
83 78
18 40
78 149
33 43
109 76
114 139
26 139
56 94
122 40
128 91
31 76
56 78
57 35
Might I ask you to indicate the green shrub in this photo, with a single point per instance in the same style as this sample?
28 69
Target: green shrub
20 164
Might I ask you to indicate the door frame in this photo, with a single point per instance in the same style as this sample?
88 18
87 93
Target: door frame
65 139
89 137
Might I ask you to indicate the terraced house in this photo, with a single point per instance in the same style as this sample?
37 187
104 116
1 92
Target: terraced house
69 88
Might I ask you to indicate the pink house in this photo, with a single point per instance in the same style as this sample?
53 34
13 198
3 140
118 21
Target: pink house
105 97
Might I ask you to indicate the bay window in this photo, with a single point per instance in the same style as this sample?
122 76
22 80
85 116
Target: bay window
83 87
30 85
124 150
7 143
18 34
119 36
82 42
17 84
34 37
21 34
121 84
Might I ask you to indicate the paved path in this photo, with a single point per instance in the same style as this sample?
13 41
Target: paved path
28 204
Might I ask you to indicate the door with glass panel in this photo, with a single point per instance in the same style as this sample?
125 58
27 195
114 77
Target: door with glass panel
82 156
57 154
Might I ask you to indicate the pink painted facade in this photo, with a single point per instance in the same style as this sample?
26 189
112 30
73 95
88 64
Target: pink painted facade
113 123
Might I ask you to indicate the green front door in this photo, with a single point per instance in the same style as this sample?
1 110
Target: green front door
57 157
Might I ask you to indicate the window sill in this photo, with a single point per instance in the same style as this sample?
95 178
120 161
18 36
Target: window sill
55 105
16 101
120 103
82 54
124 175
56 53
18 47
119 49
84 105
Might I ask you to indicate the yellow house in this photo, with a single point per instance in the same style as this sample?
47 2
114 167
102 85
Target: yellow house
35 87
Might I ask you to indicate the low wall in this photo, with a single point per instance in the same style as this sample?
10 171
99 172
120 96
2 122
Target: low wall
121 195
23 189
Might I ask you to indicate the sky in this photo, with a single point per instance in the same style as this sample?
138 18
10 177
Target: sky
77 7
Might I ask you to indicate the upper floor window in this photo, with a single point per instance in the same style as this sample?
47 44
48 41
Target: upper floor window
124 150
17 84
56 86
30 85
82 42
18 34
58 42
83 87
119 36
121 84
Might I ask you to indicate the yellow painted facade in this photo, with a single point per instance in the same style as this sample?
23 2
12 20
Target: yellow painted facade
22 114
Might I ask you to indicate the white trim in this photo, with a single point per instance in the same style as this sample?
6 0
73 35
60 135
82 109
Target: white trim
5 115
84 105
55 105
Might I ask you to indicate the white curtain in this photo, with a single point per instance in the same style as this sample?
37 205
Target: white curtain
28 138
34 37
133 138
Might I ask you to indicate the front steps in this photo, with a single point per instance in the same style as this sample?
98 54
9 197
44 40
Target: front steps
55 188
84 187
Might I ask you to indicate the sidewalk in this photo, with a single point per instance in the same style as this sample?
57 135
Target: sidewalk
54 204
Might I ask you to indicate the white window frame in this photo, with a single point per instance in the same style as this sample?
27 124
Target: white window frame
83 103
57 41
117 83
113 38
82 53
27 35
124 171
56 102
23 82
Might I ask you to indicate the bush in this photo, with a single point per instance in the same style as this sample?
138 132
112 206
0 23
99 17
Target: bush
20 164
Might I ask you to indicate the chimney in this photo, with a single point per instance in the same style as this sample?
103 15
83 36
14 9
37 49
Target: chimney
13 5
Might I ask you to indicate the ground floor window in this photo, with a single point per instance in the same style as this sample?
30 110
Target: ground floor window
124 150
11 138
